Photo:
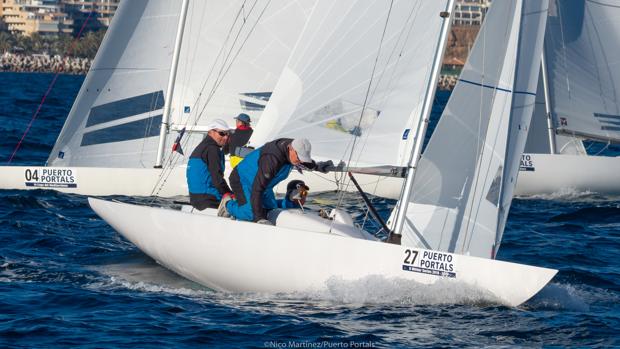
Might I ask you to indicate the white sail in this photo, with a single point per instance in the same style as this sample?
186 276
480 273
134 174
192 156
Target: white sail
360 69
538 135
582 47
231 56
464 181
115 120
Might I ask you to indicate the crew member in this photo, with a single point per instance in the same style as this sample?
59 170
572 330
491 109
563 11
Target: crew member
205 168
255 177
238 139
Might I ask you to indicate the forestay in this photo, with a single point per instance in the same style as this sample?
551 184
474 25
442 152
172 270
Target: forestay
232 55
360 69
582 47
116 117
464 181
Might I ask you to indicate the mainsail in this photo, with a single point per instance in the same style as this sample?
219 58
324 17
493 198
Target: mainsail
582 46
360 69
464 181
231 55
116 117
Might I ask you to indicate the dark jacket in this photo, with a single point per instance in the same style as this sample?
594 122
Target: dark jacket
238 139
258 174
205 175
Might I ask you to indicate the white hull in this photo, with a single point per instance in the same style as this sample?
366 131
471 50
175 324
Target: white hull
548 174
237 256
94 180
145 182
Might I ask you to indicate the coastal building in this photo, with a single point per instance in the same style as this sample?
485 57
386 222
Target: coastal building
99 13
470 12
35 16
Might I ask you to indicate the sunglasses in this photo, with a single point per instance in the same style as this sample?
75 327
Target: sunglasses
222 133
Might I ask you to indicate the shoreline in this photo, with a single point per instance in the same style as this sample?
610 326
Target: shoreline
41 63
37 63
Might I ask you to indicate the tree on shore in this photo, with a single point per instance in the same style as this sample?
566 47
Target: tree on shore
7 41
63 44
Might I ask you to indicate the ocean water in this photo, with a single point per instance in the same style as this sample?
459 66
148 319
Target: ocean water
67 279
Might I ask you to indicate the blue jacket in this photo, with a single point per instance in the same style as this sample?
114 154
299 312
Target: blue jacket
205 170
255 177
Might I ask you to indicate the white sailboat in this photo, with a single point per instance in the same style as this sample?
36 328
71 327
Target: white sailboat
579 99
303 252
160 64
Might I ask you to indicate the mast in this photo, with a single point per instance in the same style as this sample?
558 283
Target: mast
550 128
165 121
423 121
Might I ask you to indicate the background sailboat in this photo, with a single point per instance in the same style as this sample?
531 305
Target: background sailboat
228 55
579 100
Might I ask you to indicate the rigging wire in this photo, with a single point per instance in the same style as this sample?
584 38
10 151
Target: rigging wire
49 89
223 71
372 75
412 17
172 159
478 140
479 163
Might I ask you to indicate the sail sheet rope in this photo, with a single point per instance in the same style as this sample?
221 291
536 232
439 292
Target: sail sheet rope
229 58
365 104
49 89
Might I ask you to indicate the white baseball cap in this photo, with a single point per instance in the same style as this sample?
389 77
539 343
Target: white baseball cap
303 148
218 124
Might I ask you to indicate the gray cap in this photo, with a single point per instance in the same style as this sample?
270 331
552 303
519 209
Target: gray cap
243 118
303 148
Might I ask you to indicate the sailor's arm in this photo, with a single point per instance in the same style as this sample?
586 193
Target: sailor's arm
267 169
215 170
325 166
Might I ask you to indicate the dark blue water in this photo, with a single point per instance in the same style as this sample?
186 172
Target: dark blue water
67 279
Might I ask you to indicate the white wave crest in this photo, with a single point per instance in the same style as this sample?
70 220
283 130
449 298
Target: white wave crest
572 194
380 290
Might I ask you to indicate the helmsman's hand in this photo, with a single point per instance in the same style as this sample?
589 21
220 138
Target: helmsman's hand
324 166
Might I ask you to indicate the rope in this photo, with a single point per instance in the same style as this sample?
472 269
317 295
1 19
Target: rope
49 89
341 196
229 59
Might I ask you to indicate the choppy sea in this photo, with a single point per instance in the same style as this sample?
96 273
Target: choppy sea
67 279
